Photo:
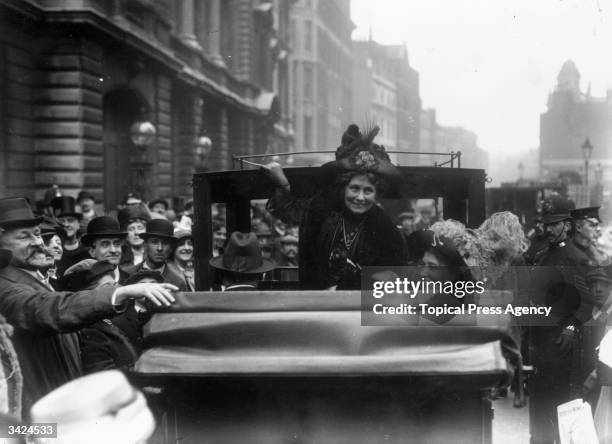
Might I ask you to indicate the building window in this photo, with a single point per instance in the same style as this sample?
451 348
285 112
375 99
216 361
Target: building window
307 132
293 34
294 81
308 36
308 82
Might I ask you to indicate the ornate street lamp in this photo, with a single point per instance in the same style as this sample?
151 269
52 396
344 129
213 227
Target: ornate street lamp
587 150
202 146
142 133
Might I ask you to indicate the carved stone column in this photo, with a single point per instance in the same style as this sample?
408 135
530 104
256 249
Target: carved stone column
187 25
214 41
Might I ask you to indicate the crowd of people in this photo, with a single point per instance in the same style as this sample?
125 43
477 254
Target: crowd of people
77 286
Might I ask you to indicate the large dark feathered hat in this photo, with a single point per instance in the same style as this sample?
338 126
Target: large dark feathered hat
358 152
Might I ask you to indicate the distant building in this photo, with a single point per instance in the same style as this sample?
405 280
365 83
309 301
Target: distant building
455 139
572 117
435 138
77 75
321 65
428 134
387 94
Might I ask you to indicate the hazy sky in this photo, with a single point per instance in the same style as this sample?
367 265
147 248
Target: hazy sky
488 65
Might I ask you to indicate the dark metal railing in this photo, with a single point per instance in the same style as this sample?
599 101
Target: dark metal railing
242 159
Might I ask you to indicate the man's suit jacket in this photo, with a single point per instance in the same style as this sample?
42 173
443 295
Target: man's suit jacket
45 324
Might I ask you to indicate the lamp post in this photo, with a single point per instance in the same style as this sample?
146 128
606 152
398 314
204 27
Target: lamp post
202 146
142 135
598 185
521 169
587 150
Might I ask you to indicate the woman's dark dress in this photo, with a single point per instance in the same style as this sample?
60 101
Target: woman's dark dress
322 246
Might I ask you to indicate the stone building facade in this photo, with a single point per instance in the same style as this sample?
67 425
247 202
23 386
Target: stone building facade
572 117
388 96
76 75
321 64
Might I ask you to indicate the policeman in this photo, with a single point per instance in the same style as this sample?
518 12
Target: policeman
559 283
586 229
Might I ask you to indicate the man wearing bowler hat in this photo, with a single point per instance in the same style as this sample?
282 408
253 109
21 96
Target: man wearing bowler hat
159 241
104 240
242 265
64 210
45 321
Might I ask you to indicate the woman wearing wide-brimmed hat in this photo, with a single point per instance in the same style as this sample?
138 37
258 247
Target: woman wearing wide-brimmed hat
342 229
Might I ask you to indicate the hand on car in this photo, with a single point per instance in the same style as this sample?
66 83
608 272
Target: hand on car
158 294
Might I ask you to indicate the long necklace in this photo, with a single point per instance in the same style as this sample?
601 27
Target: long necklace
350 238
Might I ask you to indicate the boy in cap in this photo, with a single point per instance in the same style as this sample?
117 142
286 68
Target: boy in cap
104 344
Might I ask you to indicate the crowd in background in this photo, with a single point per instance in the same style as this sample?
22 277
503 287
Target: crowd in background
150 242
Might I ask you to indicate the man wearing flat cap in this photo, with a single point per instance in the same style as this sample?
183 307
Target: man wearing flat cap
45 321
559 282
159 241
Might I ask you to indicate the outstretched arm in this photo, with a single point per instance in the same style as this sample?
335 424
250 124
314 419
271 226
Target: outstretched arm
43 312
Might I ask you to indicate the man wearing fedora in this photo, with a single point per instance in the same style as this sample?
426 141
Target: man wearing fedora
159 241
242 264
104 240
45 321
64 210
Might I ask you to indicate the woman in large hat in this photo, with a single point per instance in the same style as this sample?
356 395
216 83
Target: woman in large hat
342 229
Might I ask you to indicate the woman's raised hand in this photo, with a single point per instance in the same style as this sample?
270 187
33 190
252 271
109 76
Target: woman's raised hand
275 171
